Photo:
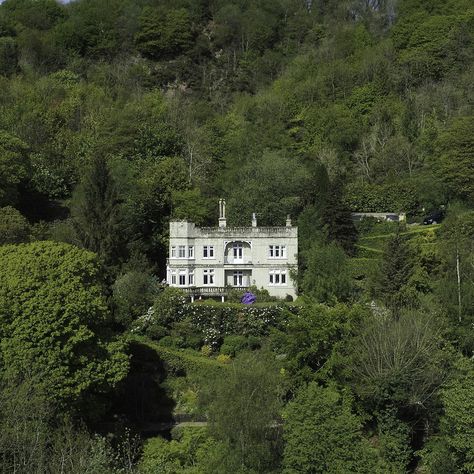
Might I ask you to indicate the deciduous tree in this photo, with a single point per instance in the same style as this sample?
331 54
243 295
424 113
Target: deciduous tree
53 322
322 435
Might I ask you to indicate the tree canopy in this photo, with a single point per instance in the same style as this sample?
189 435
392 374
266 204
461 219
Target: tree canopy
53 321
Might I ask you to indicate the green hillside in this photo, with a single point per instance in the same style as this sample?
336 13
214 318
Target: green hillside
117 116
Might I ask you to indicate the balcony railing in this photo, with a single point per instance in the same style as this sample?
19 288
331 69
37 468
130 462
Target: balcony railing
234 261
213 290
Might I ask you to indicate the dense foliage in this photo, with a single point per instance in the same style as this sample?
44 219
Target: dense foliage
117 116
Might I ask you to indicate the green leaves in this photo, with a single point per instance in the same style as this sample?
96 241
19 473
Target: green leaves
455 160
458 420
323 436
53 313
14 166
434 45
164 34
327 277
242 410
14 228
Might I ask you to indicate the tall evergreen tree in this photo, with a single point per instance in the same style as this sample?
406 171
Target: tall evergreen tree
390 282
336 217
96 211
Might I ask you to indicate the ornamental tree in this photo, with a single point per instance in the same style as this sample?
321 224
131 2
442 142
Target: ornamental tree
53 320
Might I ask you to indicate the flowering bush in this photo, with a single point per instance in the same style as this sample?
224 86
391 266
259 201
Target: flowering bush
168 306
215 321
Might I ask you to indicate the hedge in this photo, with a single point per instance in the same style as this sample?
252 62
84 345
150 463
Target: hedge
215 321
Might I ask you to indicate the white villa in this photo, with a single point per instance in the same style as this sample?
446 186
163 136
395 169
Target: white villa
207 261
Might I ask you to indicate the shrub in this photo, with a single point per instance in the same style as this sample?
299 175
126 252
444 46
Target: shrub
218 321
170 341
14 228
394 197
132 294
206 350
210 320
234 295
223 358
168 305
185 330
233 344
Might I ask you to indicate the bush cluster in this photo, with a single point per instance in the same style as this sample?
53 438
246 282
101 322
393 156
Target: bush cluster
175 321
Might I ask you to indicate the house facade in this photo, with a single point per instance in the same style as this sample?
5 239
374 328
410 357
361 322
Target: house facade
207 261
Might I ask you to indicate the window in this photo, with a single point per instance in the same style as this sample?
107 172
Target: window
238 278
173 277
191 251
208 251
277 251
181 251
238 252
277 277
191 278
208 277
173 251
182 278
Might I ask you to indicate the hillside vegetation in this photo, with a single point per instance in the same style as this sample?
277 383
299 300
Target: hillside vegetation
119 115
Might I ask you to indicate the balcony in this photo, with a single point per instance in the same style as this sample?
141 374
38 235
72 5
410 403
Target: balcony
230 260
213 290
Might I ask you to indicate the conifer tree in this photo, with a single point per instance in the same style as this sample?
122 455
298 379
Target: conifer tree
96 211
336 217
390 282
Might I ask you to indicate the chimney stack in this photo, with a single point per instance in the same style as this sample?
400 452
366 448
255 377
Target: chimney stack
288 221
222 219
254 220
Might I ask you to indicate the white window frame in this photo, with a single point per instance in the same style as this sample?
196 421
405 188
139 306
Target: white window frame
208 251
173 251
208 277
277 278
191 251
191 278
238 252
181 251
238 278
277 251
172 277
182 278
